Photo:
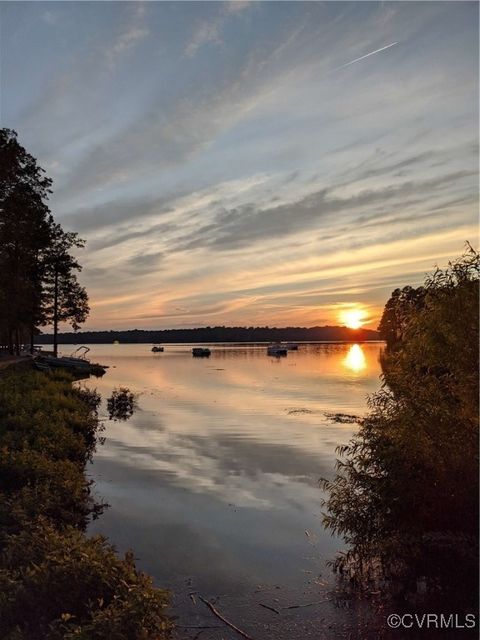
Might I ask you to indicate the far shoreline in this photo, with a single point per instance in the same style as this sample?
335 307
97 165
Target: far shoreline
233 342
217 335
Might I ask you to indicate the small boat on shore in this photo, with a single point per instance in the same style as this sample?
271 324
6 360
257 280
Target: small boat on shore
76 363
41 365
277 350
201 352
157 349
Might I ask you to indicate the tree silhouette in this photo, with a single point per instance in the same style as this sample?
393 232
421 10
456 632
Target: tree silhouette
397 312
25 223
65 299
38 282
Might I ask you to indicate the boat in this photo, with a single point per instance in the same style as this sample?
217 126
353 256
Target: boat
41 366
157 349
201 352
292 346
77 363
277 349
36 351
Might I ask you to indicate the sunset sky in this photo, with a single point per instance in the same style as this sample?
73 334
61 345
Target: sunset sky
248 163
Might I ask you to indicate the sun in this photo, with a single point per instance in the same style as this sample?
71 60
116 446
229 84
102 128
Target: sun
353 318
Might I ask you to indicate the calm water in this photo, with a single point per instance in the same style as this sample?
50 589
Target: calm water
214 479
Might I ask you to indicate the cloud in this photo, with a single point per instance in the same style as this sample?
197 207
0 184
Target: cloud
75 98
130 35
205 33
144 262
172 134
210 31
127 233
239 227
115 212
236 6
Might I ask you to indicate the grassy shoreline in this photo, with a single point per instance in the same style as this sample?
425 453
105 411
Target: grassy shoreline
56 582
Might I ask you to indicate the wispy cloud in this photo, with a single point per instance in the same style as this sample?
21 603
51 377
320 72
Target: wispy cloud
210 31
130 35
205 33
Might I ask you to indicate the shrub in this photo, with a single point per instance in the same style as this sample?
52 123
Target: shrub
63 585
54 581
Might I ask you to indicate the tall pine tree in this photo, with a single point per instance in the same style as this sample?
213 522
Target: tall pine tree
38 282
65 300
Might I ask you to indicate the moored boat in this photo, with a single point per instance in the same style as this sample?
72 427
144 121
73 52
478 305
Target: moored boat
277 349
201 352
75 363
157 349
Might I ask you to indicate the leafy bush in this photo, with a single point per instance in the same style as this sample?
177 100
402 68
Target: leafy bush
45 413
63 585
54 581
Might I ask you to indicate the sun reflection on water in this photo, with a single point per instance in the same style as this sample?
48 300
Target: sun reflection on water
355 359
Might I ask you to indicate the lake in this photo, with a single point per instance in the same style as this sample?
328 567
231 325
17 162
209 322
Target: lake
213 482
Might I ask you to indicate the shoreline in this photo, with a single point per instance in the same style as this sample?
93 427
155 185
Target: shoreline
213 342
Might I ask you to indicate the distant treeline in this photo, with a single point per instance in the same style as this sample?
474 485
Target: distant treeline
216 334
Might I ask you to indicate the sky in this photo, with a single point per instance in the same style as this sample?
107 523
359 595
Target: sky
249 163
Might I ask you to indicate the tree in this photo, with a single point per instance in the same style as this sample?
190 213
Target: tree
405 497
65 299
397 312
38 282
25 221
17 167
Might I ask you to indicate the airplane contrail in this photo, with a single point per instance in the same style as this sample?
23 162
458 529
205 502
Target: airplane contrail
367 55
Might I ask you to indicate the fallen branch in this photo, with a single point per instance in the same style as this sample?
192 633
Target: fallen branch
308 604
266 606
197 626
227 622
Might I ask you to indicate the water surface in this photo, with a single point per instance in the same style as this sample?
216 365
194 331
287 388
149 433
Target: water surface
214 479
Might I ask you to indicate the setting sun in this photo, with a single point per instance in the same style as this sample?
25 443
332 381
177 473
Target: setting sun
353 318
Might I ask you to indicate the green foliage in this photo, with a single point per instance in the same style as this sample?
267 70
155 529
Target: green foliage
63 585
406 494
46 414
54 581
